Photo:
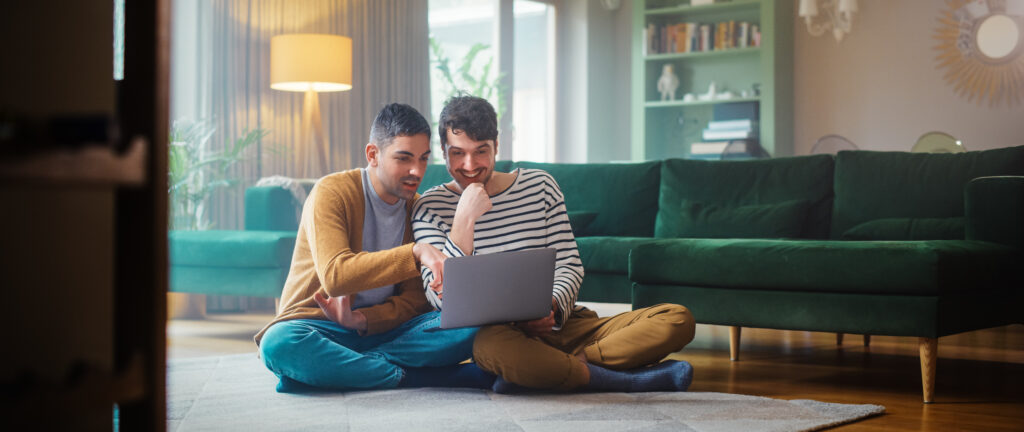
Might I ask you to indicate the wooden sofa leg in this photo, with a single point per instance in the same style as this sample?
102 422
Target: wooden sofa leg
839 338
929 350
867 340
734 343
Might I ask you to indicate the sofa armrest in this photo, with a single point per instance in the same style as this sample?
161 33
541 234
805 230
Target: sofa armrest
271 208
994 207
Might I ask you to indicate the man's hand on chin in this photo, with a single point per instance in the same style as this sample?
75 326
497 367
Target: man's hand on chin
473 203
339 310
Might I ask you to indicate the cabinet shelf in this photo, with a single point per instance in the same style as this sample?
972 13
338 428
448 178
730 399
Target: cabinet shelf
666 129
679 103
714 7
702 54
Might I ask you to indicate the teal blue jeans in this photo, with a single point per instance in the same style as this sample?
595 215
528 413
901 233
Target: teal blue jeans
322 354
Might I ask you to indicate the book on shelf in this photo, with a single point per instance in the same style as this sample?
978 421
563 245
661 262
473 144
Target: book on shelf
725 150
745 123
703 148
727 134
684 37
736 111
708 156
646 44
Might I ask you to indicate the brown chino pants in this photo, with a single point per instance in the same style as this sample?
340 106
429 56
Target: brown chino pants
624 341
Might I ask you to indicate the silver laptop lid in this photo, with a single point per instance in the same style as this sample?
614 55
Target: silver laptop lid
497 288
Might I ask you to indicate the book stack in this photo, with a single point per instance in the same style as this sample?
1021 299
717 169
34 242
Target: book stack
738 136
696 37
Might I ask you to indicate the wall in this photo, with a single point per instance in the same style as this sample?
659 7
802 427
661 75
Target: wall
882 88
608 91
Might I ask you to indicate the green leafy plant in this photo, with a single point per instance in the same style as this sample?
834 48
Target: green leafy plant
460 78
195 171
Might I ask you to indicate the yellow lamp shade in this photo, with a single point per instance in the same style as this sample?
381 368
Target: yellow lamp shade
304 62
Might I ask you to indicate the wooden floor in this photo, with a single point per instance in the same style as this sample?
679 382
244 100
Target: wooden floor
980 383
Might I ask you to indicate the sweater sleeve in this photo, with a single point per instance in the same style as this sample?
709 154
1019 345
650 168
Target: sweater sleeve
568 265
397 309
429 227
341 270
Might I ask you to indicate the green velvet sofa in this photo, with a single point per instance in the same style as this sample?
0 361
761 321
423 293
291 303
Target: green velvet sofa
891 243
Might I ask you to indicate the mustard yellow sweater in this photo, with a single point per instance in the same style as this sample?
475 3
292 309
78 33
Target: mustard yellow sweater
328 256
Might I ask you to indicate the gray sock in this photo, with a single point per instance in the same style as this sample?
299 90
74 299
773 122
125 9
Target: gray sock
671 375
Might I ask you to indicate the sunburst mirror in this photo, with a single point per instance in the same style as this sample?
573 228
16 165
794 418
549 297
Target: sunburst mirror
981 47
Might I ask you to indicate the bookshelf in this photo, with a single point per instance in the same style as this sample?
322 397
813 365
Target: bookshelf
665 129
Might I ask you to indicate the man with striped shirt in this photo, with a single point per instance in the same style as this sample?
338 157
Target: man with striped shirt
483 211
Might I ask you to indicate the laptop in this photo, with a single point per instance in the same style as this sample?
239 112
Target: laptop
497 288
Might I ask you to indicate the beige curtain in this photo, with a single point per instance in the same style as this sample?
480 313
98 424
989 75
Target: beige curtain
390 64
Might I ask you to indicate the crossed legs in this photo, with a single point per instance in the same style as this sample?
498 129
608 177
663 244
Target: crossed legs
322 354
553 362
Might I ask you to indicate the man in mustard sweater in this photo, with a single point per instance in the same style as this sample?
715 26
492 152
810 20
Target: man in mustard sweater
353 312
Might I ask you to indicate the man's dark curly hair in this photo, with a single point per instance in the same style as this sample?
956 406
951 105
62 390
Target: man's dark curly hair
471 115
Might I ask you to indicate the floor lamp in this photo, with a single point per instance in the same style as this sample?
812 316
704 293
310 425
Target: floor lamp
311 63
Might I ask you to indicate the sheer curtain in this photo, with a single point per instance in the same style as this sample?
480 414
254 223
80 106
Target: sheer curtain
224 54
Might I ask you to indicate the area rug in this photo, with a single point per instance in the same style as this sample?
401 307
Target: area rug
237 393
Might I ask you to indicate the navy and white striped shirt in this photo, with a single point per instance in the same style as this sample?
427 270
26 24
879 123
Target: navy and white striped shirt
530 214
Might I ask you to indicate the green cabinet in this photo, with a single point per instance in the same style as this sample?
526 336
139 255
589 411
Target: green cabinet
666 128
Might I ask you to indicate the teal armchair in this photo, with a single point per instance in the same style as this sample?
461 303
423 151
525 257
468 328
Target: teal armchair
251 262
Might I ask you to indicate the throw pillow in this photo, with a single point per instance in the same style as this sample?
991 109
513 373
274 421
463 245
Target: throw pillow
908 229
709 220
580 220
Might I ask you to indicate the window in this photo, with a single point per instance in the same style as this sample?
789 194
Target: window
533 91
466 44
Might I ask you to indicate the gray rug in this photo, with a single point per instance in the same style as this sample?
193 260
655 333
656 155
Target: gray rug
237 393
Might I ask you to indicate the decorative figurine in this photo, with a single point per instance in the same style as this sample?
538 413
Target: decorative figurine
668 83
710 95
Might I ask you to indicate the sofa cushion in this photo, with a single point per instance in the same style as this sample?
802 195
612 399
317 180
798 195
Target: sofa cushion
271 208
873 314
748 182
580 220
709 220
222 248
624 196
605 288
607 254
908 229
869 267
240 281
875 185
993 206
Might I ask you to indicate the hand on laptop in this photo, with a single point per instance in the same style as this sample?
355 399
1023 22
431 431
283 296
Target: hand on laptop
339 310
541 326
433 259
